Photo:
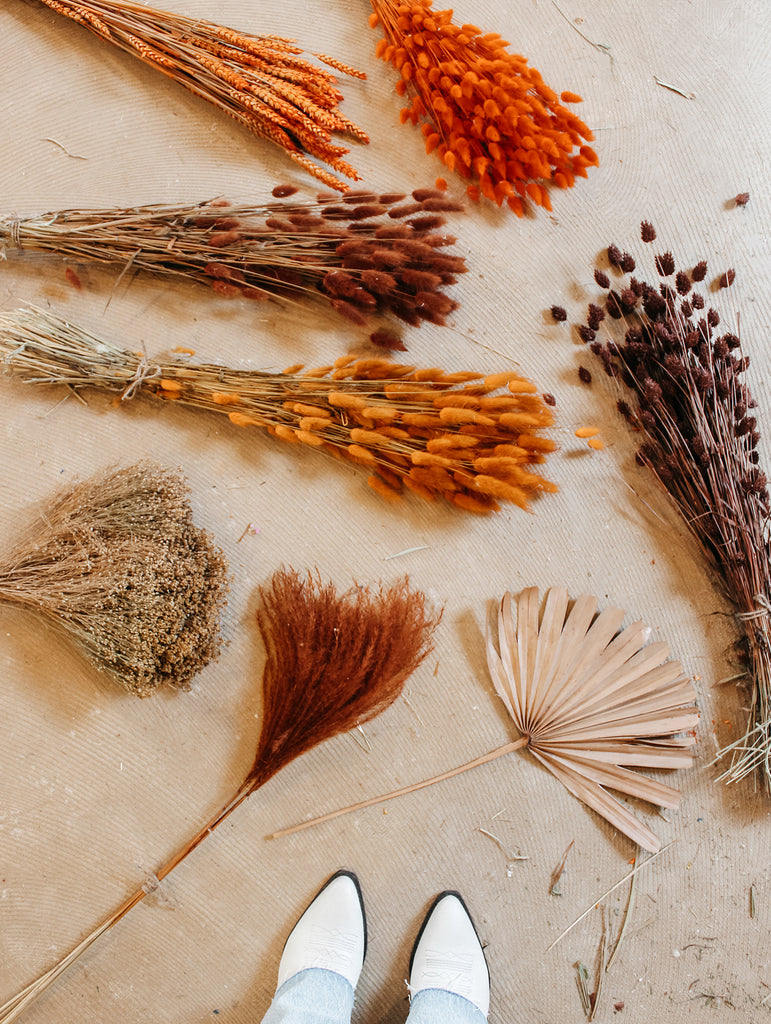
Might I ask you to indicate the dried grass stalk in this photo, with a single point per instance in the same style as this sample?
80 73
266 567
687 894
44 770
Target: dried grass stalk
117 563
261 81
592 701
367 254
693 411
488 115
333 662
455 436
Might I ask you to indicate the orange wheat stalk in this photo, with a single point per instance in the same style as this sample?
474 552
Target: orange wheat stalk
261 81
487 113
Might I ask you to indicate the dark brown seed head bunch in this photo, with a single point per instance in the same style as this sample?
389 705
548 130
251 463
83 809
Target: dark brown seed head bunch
694 412
117 563
365 253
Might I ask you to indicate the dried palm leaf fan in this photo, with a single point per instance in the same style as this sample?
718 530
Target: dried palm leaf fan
453 436
261 81
590 702
333 662
117 564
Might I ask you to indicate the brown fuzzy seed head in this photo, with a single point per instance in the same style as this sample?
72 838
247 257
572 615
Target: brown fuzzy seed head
665 264
699 272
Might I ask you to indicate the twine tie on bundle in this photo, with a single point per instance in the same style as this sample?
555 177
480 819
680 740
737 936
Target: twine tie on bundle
762 611
146 370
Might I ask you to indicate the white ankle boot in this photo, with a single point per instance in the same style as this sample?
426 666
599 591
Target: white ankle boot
331 934
448 955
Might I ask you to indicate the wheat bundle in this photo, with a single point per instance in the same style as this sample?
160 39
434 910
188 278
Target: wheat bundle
591 701
117 563
333 662
261 81
365 254
454 436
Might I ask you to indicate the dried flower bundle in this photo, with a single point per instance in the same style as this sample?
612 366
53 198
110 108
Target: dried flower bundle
454 436
367 254
486 112
117 563
693 411
333 662
261 81
591 700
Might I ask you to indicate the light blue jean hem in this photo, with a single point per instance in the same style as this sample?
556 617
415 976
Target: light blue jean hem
312 996
437 1006
316 996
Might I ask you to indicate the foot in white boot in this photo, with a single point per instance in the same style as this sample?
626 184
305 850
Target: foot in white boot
331 934
448 955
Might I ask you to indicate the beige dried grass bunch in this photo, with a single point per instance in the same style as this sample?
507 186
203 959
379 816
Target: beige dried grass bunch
333 662
117 564
261 81
454 436
365 254
592 701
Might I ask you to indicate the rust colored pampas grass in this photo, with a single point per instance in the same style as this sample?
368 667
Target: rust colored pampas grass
464 437
692 410
489 116
333 662
368 254
117 564
261 81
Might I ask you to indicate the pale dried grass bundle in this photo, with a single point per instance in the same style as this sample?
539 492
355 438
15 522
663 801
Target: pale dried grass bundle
334 661
592 702
693 413
260 81
117 564
469 439
365 254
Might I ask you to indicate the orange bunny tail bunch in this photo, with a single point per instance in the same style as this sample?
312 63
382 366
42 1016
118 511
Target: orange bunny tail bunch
485 111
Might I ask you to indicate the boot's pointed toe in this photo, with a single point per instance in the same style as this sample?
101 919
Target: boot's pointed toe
331 934
448 954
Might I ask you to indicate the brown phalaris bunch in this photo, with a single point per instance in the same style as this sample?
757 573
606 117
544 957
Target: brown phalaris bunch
693 412
486 112
261 81
364 253
460 436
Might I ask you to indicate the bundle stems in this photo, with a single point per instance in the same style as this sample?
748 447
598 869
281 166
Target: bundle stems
15 1006
260 81
507 748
